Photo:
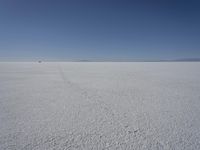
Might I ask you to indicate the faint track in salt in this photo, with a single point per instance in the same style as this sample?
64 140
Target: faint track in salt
95 99
94 96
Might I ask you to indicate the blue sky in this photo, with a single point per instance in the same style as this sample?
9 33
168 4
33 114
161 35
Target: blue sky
99 29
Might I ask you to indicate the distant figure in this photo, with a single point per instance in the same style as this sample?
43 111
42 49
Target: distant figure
39 61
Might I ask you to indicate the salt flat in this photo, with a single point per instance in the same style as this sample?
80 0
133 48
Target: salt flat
77 105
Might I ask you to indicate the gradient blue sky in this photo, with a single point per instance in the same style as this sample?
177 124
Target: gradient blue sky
99 29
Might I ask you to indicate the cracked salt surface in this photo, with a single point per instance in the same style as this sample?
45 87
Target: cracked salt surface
99 106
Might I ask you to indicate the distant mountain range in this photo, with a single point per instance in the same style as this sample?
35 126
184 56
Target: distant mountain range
141 60
188 59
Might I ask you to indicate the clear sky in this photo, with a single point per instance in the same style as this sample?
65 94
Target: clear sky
99 29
